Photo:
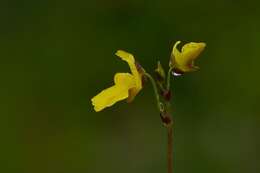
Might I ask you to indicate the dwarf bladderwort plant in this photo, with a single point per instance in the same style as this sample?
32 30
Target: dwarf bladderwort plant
128 85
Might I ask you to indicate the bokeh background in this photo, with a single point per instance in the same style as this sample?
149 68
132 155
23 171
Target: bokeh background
56 55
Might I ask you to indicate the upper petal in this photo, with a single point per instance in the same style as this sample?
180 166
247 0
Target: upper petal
193 50
175 51
129 58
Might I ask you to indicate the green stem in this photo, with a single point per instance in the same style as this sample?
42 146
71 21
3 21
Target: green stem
168 85
162 88
155 89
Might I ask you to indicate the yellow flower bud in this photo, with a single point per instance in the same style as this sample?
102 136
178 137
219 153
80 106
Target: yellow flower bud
159 71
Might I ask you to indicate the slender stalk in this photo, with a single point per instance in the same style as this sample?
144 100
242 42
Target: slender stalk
168 85
157 96
169 127
166 118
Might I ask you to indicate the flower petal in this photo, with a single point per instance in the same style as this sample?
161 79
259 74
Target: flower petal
129 58
111 95
184 60
192 50
175 51
124 79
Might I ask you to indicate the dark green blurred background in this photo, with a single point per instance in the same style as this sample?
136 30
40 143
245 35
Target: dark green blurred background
56 55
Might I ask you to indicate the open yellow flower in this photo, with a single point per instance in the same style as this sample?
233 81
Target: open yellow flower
127 85
184 61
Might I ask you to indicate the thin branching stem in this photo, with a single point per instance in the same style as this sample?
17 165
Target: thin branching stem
168 85
157 96
165 112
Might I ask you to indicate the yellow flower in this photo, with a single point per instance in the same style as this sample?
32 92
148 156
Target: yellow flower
184 61
127 85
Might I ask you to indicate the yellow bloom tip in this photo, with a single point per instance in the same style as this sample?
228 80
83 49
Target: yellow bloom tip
125 56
